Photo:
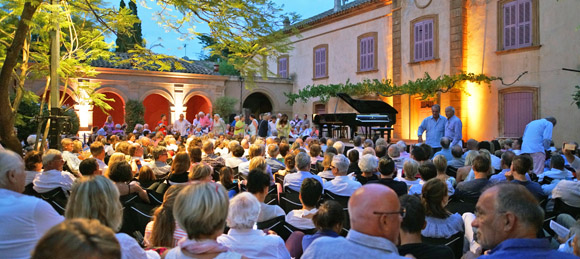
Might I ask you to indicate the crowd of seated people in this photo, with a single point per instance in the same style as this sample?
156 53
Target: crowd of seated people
162 194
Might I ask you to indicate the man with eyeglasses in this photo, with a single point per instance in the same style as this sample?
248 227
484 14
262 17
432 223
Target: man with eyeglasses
159 166
53 176
342 184
375 219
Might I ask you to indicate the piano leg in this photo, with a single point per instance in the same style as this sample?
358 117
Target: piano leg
353 130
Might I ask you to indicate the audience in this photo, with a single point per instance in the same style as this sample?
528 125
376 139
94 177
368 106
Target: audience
53 176
163 230
89 167
326 173
471 190
342 184
411 169
294 181
78 238
120 174
520 166
368 165
328 222
179 169
440 222
32 165
242 238
388 170
310 193
258 184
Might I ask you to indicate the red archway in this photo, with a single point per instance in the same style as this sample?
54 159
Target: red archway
155 106
117 111
67 101
197 104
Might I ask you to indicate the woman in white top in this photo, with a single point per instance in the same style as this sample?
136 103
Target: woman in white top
32 165
96 197
410 168
242 238
440 222
253 127
201 210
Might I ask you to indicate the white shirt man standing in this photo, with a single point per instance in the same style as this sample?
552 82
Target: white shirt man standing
453 127
435 127
181 125
537 138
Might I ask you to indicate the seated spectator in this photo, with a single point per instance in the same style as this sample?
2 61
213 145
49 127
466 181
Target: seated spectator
201 173
353 157
211 158
95 197
568 192
179 169
357 142
237 157
467 171
570 155
271 160
294 181
120 174
369 151
227 180
326 164
310 193
388 171
242 238
98 152
509 218
32 165
368 165
290 162
495 161
146 177
440 222
445 150
471 175
339 145
411 169
24 218
520 166
457 161
505 164
315 153
375 219
159 165
53 176
471 190
342 184
410 234
71 159
194 156
89 167
440 163
78 238
381 151
419 154
394 153
327 220
163 231
258 184
254 151
201 209
557 172
427 171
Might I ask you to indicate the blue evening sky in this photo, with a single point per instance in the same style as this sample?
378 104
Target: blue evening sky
168 43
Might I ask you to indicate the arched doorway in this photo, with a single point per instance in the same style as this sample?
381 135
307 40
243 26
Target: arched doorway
155 106
117 111
195 105
257 103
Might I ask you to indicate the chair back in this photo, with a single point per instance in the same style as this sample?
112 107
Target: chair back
289 200
343 200
136 215
272 196
455 242
451 171
561 207
57 198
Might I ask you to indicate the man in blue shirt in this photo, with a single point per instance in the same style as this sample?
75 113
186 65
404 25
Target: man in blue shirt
294 180
536 139
453 127
508 220
445 150
435 127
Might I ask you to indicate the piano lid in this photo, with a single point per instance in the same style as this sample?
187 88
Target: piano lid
368 106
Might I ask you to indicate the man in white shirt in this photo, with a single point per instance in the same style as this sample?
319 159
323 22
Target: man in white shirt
537 138
159 165
342 184
71 159
98 152
181 125
52 177
554 175
294 180
25 218
453 127
310 192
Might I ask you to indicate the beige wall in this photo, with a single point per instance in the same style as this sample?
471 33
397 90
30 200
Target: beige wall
272 88
341 37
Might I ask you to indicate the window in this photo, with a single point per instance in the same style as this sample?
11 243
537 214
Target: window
321 61
424 38
518 106
367 52
283 66
517 24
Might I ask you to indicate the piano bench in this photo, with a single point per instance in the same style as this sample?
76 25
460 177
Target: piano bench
381 132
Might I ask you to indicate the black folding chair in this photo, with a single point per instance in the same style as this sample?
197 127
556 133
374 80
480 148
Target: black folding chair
455 242
289 200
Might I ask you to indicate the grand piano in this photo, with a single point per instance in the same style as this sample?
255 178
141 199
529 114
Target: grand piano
371 113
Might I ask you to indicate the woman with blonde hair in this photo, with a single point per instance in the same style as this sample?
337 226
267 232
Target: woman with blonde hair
163 231
96 197
326 173
179 169
410 168
201 173
201 210
440 163
116 157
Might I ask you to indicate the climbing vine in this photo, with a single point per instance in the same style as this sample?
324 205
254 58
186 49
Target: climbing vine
424 87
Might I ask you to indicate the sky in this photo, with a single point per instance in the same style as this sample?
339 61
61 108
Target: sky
168 43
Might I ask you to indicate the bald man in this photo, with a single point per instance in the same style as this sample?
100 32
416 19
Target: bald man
375 220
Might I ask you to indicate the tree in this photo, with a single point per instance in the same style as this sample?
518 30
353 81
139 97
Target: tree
127 41
135 113
247 28
224 106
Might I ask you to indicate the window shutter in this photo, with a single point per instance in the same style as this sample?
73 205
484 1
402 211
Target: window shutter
510 25
418 41
283 67
428 40
366 57
320 62
525 23
371 53
363 54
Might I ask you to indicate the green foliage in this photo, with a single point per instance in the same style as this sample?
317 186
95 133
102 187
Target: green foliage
127 41
134 113
425 87
224 106
576 96
27 121
227 69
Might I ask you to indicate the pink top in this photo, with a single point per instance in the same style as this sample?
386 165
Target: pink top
204 121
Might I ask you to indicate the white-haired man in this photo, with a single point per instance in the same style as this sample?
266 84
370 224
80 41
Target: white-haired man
53 176
434 125
294 180
181 125
453 127
342 184
24 218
